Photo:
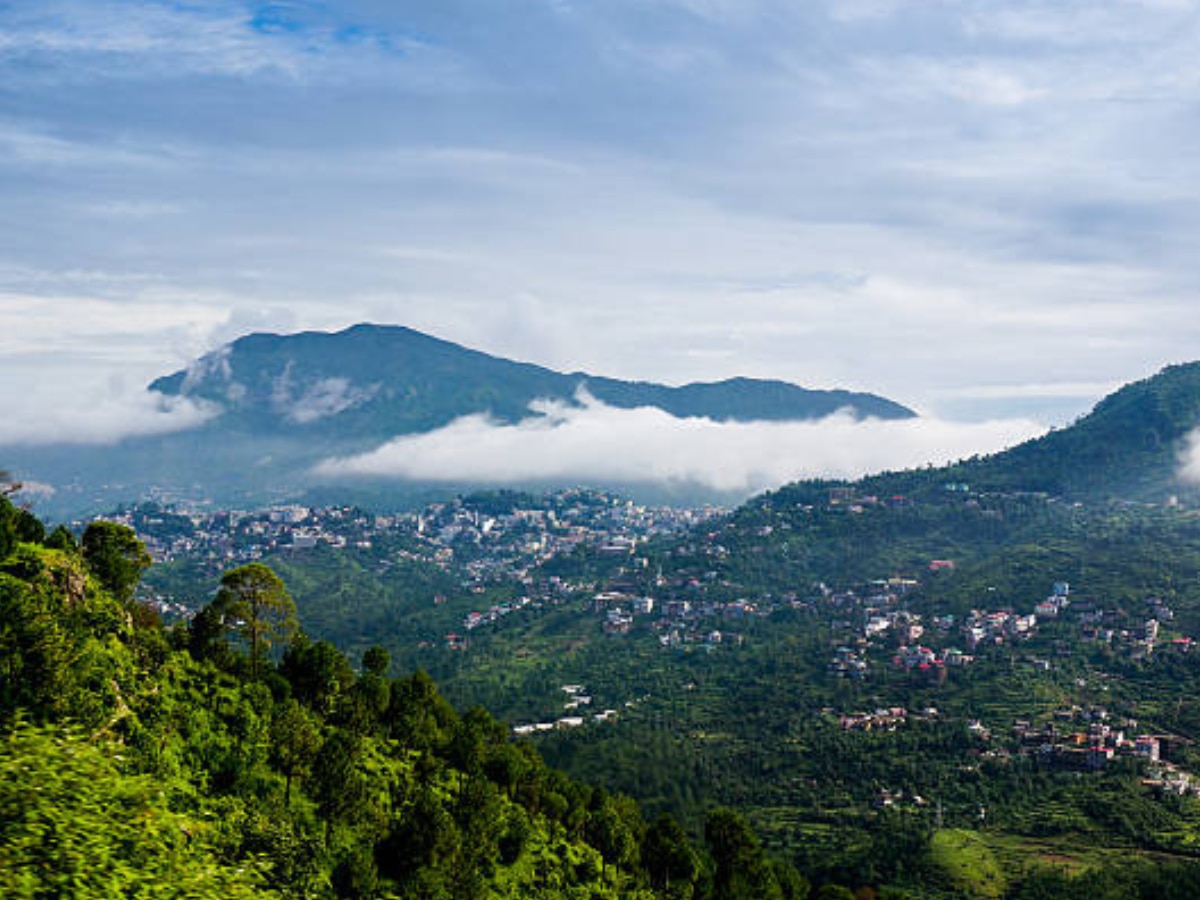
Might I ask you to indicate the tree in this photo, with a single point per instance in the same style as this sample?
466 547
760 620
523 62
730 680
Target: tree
419 717
8 532
254 603
28 527
670 861
295 743
339 783
742 870
609 832
116 557
35 650
425 837
376 661
61 539
206 637
318 673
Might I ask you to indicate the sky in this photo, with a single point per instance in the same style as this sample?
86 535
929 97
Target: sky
986 211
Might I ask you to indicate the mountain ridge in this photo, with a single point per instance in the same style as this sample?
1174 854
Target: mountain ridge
1131 445
284 403
391 380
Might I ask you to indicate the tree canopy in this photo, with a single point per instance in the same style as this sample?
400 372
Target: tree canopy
254 604
115 556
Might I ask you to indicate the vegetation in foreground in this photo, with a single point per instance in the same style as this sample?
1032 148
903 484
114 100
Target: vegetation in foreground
201 762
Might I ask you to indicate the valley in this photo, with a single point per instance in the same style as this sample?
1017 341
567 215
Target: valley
829 662
975 680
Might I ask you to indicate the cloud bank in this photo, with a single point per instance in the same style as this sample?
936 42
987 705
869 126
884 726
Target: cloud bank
104 414
599 443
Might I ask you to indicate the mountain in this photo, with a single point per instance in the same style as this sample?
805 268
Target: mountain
1130 445
382 381
283 403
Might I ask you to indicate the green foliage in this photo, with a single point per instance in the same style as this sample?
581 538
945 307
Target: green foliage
295 742
741 869
61 649
27 527
61 539
115 556
967 864
833 892
8 531
376 661
254 604
670 860
318 673
74 825
201 777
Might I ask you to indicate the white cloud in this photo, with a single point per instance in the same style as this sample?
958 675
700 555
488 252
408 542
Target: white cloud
81 327
96 414
318 400
600 443
75 368
1189 459
1087 390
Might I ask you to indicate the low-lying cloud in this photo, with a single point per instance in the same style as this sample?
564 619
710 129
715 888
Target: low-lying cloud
99 416
319 399
1189 459
602 444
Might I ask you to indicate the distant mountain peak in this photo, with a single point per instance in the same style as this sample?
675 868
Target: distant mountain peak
283 404
386 380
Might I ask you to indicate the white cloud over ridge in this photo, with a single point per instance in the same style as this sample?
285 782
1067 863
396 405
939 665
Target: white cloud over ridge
321 399
599 443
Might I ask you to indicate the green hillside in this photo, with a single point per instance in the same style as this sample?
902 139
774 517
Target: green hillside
758 720
235 757
1127 447
972 681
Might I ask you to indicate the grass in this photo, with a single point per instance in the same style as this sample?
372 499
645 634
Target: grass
968 864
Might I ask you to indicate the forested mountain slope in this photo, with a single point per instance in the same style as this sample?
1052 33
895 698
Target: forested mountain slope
381 381
1129 446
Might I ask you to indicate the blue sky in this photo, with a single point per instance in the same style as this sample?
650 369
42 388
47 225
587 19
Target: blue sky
981 209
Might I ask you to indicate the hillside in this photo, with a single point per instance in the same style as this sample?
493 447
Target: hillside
194 762
1129 446
938 679
973 681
